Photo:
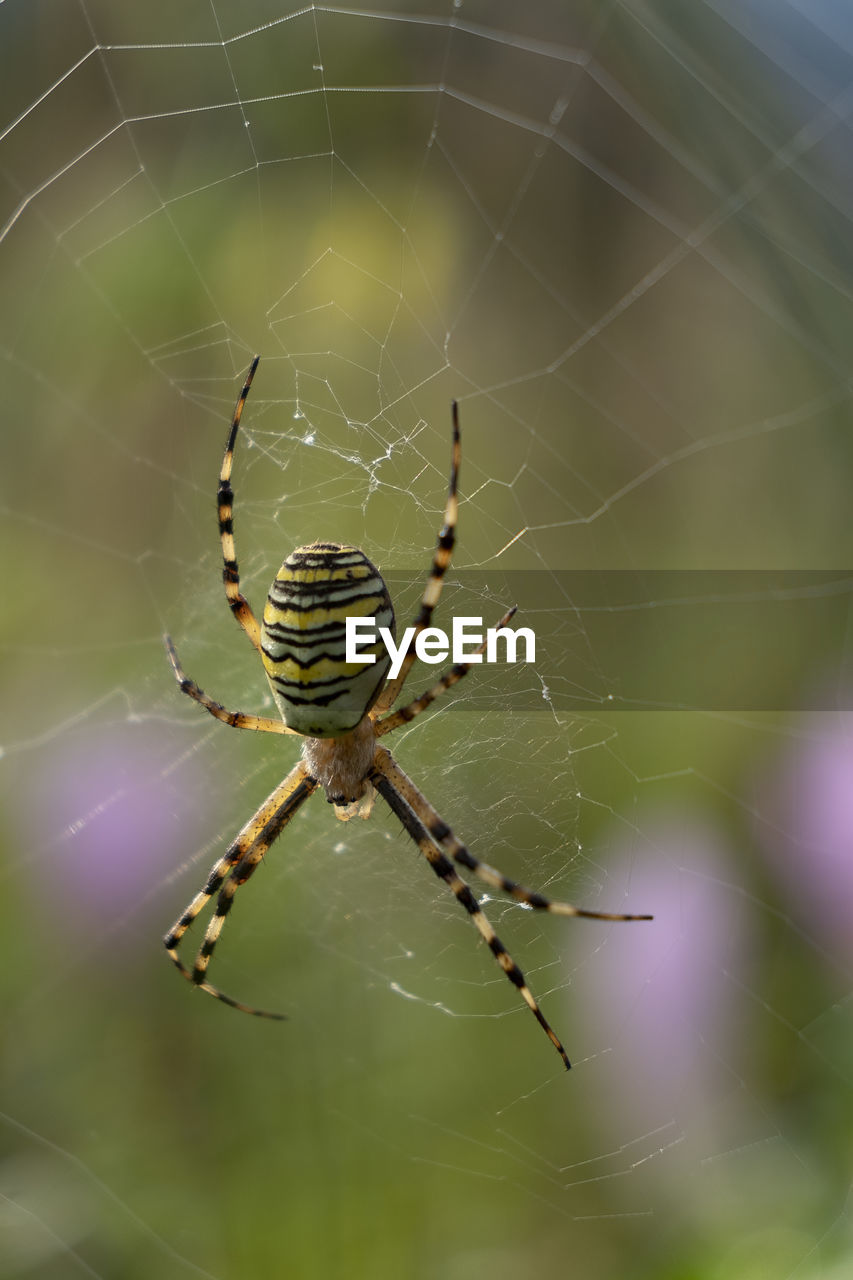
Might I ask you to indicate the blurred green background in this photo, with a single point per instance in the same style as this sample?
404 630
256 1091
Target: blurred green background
619 234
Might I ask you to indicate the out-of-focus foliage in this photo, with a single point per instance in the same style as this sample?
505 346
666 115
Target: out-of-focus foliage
619 234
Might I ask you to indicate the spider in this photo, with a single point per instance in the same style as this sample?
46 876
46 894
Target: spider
339 710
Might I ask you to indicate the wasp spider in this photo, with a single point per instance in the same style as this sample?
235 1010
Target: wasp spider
340 710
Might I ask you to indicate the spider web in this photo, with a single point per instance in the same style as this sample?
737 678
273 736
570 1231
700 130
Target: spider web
618 234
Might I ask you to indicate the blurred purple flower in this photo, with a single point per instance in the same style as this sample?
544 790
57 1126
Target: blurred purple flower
806 831
658 996
103 820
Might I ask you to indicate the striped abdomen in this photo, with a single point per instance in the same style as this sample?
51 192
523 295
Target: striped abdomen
303 638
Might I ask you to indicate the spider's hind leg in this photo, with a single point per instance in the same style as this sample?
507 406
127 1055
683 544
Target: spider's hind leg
231 871
443 836
445 870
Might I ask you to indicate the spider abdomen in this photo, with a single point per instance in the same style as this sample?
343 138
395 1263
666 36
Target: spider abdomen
303 638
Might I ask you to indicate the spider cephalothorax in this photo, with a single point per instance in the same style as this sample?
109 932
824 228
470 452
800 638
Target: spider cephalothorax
340 710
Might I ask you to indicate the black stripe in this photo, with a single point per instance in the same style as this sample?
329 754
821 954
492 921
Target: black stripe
304 594
281 683
513 972
317 600
315 702
215 880
281 650
325 655
465 896
317 558
328 553
329 630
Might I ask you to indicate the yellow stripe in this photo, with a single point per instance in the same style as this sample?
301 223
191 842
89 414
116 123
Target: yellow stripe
327 669
322 574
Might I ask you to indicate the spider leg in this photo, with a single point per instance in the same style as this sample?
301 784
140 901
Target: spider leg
237 719
450 678
440 565
237 603
232 870
441 833
445 871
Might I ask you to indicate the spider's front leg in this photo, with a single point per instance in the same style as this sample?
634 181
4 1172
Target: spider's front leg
237 719
237 602
440 564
